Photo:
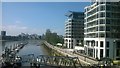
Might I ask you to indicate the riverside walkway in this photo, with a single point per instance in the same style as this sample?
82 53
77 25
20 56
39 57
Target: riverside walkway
84 60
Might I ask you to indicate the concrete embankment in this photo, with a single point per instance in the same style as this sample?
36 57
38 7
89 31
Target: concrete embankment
85 61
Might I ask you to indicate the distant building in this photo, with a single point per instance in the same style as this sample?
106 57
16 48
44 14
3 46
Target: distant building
74 29
102 30
3 33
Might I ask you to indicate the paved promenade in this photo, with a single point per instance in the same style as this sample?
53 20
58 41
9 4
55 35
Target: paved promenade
84 60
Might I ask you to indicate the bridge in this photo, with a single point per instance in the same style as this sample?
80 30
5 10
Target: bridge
51 60
45 60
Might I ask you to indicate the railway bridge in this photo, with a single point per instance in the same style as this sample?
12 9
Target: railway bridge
43 60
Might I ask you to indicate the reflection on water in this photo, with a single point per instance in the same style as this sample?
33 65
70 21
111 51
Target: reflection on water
34 47
31 48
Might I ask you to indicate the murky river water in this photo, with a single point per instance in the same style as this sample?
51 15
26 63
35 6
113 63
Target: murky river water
31 48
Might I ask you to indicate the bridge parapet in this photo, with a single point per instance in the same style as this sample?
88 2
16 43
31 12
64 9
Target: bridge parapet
51 60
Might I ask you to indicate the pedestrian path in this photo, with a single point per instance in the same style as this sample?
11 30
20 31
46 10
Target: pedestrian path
85 61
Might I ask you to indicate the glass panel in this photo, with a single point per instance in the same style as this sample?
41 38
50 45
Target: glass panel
101 43
102 28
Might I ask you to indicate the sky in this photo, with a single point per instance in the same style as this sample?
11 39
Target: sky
36 17
45 0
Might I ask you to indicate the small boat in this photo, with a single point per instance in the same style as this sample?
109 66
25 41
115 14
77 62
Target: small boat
38 45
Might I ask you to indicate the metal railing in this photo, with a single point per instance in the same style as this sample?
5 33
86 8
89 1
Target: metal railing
51 60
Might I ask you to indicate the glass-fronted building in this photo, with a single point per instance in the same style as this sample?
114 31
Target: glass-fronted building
74 29
102 29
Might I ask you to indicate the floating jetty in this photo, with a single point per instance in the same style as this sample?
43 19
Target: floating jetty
9 57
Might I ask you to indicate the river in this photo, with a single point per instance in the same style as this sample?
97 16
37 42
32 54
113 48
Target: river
31 48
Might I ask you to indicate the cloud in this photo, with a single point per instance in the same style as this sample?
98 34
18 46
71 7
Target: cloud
17 22
17 29
14 29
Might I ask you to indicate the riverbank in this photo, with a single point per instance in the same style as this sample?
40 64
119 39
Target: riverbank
2 40
84 60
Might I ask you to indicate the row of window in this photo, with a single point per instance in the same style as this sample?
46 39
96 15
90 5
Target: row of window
74 36
112 8
102 14
73 26
75 23
90 52
76 20
102 43
109 14
104 28
102 21
102 35
75 30
96 42
101 28
101 50
102 8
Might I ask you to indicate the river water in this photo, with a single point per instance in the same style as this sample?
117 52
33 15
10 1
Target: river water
31 48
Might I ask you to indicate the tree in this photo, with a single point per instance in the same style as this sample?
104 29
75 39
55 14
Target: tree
53 38
47 35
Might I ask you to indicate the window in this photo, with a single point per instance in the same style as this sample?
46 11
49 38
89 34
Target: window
102 14
101 53
71 40
118 52
107 52
108 28
96 35
97 22
107 21
118 44
101 43
108 14
102 21
97 15
107 2
108 7
102 28
102 2
107 44
107 35
102 8
97 28
96 52
97 43
101 34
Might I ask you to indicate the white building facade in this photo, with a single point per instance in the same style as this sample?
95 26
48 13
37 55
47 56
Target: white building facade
74 29
102 30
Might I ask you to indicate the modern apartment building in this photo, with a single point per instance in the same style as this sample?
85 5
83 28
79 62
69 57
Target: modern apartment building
102 30
74 29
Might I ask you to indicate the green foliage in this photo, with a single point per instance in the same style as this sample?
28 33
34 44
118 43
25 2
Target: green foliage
53 38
